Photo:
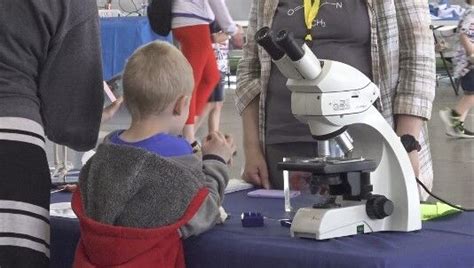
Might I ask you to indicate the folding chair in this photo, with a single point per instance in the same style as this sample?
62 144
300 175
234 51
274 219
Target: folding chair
61 165
438 44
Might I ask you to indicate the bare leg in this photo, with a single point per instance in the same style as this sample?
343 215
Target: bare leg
200 119
188 133
464 105
215 116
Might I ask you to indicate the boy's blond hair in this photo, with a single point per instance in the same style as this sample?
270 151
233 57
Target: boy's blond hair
154 76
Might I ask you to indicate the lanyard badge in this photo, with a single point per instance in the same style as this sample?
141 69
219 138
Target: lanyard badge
311 11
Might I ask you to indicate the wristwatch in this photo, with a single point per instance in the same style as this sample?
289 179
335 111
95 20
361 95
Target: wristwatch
410 143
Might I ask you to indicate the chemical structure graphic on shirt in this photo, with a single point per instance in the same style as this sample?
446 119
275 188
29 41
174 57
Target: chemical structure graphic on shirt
317 22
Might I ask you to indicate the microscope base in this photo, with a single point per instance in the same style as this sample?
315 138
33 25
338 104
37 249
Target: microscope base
350 219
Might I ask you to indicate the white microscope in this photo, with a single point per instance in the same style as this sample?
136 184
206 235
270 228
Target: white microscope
378 188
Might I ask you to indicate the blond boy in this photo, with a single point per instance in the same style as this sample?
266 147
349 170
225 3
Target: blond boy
146 177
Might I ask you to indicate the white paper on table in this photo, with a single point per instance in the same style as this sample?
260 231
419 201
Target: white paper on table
223 215
62 209
86 156
236 185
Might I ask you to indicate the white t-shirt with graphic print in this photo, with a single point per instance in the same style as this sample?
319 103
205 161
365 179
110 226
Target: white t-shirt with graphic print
461 60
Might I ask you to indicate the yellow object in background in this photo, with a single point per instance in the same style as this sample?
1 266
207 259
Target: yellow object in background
438 210
311 10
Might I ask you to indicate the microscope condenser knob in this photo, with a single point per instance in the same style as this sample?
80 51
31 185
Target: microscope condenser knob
379 207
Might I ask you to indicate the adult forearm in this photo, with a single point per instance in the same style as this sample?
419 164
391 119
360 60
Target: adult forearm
407 124
411 125
250 126
255 168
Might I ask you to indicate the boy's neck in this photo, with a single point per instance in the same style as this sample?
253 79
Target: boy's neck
146 128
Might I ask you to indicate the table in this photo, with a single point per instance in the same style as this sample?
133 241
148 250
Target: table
445 22
447 242
243 23
120 37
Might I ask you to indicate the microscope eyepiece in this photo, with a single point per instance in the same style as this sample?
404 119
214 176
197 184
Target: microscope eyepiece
293 61
264 39
288 43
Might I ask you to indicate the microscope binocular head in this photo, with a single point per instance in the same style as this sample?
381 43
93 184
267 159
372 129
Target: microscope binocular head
294 61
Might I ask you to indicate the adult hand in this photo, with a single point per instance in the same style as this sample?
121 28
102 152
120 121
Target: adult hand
238 38
256 170
110 110
218 144
220 37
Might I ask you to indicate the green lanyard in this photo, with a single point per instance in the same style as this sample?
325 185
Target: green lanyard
310 13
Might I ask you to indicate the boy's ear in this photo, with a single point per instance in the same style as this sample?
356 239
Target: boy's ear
180 105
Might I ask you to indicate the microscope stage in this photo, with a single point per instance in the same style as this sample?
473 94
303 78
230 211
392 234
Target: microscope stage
328 165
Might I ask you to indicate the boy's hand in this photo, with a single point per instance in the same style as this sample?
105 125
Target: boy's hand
218 144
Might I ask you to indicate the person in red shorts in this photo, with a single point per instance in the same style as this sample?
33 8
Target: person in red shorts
190 27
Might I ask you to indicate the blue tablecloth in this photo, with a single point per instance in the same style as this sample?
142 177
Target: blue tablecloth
120 37
447 242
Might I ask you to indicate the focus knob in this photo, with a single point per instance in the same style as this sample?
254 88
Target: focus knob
378 207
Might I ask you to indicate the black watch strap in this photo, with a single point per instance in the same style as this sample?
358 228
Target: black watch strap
410 143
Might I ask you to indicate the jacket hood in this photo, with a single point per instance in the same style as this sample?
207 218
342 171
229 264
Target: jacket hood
131 203
118 182
108 245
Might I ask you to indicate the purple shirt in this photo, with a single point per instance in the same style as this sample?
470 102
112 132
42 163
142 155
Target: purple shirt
162 144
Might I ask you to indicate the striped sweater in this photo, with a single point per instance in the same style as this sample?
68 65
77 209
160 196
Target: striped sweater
51 71
50 86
